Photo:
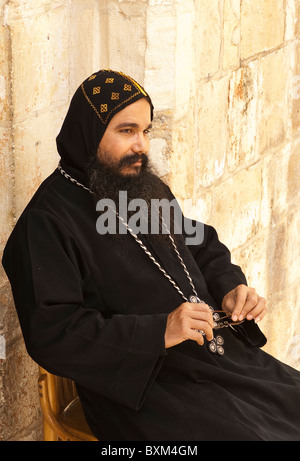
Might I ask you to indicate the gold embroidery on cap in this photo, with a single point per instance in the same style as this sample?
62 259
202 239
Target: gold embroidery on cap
127 87
103 108
134 83
115 95
107 113
92 77
96 89
109 80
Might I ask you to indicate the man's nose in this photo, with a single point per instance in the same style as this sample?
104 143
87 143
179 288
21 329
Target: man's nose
140 144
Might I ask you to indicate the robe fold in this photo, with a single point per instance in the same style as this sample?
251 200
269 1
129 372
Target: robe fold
94 307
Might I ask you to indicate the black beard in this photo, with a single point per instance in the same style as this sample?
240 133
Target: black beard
106 181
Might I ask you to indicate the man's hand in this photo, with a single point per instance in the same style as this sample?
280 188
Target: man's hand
244 303
183 323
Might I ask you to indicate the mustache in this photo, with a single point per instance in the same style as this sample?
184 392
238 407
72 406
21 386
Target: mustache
133 158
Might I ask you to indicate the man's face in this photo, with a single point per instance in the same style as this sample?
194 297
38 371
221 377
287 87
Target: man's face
126 138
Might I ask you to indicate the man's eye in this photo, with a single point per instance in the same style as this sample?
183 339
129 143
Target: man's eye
126 130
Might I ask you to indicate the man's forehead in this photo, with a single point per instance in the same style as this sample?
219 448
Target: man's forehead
135 114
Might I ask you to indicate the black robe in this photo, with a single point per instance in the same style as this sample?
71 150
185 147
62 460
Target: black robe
94 309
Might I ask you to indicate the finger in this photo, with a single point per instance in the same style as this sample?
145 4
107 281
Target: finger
203 317
187 308
260 316
200 312
241 296
197 336
198 307
200 335
228 305
259 311
204 327
251 302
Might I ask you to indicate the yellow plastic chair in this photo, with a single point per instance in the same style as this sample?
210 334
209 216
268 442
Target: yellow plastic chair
63 415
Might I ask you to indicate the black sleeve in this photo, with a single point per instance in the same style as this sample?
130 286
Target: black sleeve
117 357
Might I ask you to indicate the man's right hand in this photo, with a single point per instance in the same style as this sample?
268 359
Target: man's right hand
183 323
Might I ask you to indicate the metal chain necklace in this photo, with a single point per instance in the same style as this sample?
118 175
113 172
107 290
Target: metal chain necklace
148 253
216 344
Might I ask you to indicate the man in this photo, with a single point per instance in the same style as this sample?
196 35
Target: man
132 316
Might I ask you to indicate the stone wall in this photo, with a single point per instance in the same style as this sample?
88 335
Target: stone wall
235 147
224 76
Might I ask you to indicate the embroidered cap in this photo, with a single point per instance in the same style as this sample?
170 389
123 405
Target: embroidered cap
108 92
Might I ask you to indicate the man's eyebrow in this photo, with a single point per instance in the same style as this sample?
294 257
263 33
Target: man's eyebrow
131 125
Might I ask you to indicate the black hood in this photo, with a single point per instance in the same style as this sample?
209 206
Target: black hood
93 105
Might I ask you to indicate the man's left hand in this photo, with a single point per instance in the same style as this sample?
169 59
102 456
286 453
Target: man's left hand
244 303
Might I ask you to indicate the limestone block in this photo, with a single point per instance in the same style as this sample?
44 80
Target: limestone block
160 55
40 67
291 12
262 25
295 90
207 37
163 124
236 207
34 434
277 257
282 322
273 100
278 326
22 407
182 175
184 58
9 322
231 33
293 179
25 8
5 109
159 2
85 36
35 153
6 187
242 116
297 17
127 37
274 199
211 130
158 156
293 353
293 247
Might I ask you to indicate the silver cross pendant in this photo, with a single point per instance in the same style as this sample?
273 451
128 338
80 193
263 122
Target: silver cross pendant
216 344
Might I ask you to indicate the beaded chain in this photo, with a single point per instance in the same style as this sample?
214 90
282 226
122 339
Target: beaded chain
144 248
216 344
